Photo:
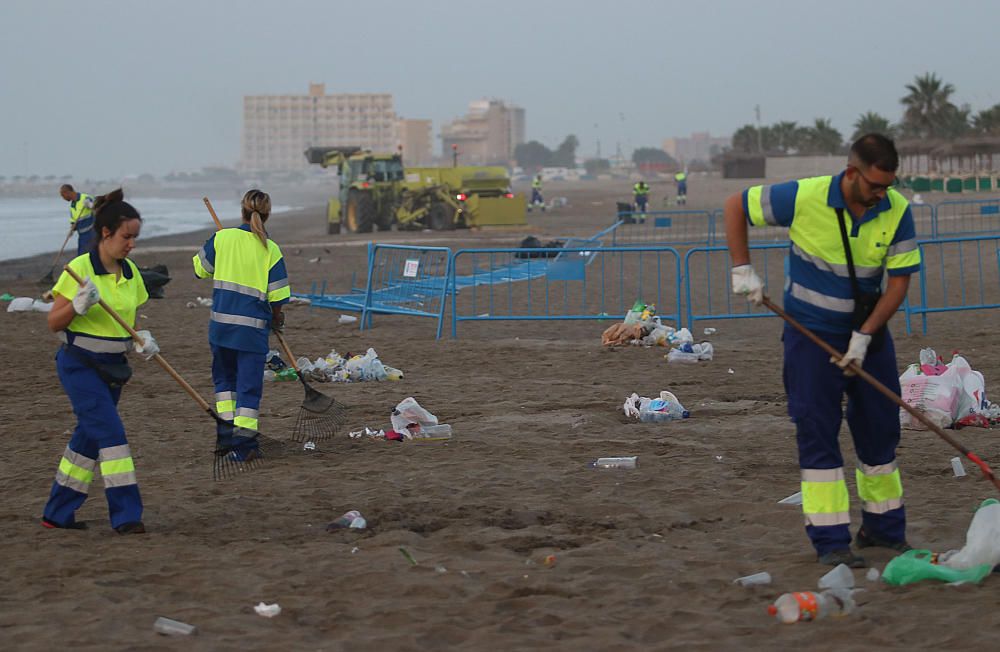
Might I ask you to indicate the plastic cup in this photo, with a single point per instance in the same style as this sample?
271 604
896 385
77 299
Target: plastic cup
840 577
957 467
172 627
757 579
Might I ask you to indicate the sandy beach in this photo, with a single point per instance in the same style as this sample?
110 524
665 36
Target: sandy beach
644 559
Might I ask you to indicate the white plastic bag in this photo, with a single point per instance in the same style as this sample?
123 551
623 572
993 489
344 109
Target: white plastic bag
20 304
982 542
972 400
366 367
409 411
698 352
937 397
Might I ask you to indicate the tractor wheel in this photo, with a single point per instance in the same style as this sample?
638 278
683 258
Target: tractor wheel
360 213
441 217
386 218
333 228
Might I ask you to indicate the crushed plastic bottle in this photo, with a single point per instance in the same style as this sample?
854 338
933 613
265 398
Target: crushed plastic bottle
808 605
352 519
629 462
664 408
440 432
172 627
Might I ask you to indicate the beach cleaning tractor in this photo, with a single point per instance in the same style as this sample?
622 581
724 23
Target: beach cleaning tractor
376 191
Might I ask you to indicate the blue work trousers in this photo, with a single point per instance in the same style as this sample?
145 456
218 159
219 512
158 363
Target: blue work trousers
98 432
815 389
239 385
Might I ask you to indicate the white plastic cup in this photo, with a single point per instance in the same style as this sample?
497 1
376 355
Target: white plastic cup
172 627
346 319
957 467
840 577
757 579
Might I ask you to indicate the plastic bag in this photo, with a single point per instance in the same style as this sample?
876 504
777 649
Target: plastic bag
664 408
915 565
937 397
982 542
366 367
409 411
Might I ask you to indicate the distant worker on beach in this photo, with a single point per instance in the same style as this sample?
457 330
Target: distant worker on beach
250 287
682 187
93 369
81 216
640 194
834 289
536 193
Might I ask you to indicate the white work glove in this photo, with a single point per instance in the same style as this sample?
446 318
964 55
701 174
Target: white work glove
149 347
86 297
856 351
746 282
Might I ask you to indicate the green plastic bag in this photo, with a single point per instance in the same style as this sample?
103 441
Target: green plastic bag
915 565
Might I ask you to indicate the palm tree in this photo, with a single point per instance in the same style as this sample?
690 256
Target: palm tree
987 121
745 139
871 123
787 135
928 106
822 138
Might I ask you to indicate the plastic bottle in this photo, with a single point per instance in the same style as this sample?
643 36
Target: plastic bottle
633 315
629 462
439 432
809 605
757 579
286 373
269 375
345 520
928 356
647 312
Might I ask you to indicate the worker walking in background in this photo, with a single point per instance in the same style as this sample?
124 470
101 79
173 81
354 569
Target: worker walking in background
92 369
682 187
640 194
81 216
845 231
536 193
250 286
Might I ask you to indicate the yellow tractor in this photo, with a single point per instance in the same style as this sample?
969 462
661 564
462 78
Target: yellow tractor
377 192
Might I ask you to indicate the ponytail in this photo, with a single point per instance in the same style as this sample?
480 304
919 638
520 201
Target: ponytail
256 208
257 226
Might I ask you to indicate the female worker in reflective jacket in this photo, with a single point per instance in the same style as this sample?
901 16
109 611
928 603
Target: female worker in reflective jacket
92 369
249 287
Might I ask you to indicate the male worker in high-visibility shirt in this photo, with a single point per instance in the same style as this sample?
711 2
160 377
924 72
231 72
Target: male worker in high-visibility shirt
682 187
850 314
640 193
81 217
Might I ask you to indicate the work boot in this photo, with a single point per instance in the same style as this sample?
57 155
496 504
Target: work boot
844 556
132 527
52 525
865 540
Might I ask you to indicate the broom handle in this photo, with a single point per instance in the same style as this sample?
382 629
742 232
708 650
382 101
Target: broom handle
135 336
218 222
281 338
888 393
61 249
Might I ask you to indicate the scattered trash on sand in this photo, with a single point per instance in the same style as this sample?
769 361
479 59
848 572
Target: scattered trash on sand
665 408
629 462
840 577
352 520
27 304
171 627
794 499
950 395
808 605
757 579
333 368
688 353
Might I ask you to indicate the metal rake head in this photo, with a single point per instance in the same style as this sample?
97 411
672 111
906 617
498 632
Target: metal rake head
320 416
232 458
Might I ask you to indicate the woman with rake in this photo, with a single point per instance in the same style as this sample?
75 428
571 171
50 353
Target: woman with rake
250 285
92 369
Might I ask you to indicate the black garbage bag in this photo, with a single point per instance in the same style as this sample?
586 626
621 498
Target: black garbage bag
531 242
627 209
155 278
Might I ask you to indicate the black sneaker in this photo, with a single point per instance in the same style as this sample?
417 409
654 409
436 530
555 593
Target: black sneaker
845 556
134 527
52 525
865 540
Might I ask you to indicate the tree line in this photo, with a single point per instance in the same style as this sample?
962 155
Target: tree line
928 113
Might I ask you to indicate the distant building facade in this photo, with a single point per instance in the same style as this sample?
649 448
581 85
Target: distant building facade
486 135
278 128
416 140
699 146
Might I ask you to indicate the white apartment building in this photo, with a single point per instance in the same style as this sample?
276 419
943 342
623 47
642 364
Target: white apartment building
277 129
486 135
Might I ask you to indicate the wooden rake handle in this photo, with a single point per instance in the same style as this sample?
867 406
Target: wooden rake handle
888 393
208 205
135 336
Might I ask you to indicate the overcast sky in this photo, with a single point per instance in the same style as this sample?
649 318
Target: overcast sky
110 88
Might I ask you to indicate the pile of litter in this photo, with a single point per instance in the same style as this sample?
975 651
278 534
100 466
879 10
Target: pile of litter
653 410
410 421
950 395
333 368
27 304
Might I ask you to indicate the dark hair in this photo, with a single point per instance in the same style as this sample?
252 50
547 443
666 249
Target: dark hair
66 187
256 207
110 211
876 150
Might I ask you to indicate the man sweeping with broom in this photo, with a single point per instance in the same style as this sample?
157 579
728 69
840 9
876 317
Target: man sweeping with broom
250 286
846 231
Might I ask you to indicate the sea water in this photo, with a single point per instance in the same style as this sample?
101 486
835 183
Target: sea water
34 225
